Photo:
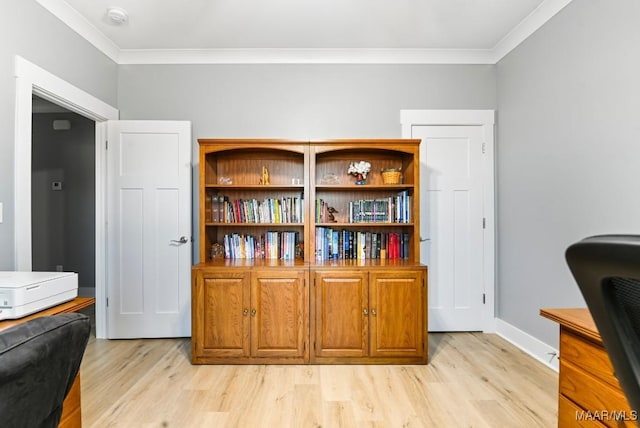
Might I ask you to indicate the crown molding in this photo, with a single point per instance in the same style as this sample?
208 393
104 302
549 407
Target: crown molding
524 29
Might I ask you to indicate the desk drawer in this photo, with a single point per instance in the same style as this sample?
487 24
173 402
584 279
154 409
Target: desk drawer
590 357
602 400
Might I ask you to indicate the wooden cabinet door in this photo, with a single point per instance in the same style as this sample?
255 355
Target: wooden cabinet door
341 313
279 313
397 313
221 314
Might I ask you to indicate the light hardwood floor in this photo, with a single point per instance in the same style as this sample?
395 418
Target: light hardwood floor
472 380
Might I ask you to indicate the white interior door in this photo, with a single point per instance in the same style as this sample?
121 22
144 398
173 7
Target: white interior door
453 225
148 229
456 174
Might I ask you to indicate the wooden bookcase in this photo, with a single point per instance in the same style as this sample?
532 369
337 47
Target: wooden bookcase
281 281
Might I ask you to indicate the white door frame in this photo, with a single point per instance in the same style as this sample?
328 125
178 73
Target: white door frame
31 79
486 119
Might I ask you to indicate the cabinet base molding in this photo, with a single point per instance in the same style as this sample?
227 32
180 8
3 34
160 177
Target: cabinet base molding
370 360
247 361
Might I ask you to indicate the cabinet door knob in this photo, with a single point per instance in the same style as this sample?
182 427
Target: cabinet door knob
373 312
253 312
245 312
365 311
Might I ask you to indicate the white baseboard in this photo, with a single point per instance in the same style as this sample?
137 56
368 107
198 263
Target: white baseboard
529 344
86 291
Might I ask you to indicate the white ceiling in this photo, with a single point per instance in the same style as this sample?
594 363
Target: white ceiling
351 31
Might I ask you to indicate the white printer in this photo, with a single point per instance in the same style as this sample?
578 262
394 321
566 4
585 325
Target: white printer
23 293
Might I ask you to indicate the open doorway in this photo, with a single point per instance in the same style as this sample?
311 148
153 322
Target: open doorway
63 193
30 80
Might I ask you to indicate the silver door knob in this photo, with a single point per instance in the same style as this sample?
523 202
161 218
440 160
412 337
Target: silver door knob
183 240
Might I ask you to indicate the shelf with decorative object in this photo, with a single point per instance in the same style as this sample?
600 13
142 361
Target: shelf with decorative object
250 187
378 206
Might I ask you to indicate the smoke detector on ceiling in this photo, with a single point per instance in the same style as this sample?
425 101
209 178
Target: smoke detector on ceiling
117 16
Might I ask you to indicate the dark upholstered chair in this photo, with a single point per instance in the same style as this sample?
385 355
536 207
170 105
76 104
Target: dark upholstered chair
607 270
39 360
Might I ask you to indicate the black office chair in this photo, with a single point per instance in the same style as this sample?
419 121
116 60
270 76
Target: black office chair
607 270
39 361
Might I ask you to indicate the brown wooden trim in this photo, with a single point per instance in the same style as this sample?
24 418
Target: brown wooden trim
575 319
74 305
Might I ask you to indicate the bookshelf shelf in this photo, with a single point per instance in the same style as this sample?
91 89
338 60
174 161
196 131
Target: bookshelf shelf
253 187
365 224
364 187
241 224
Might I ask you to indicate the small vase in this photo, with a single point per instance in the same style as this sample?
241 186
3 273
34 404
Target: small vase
359 179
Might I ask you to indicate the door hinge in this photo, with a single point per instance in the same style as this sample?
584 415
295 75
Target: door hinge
484 222
484 299
484 147
107 302
106 145
314 346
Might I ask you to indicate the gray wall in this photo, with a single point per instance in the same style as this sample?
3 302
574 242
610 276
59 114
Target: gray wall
36 35
63 222
297 101
568 151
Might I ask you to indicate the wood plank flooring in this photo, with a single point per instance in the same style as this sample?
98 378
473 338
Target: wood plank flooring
472 380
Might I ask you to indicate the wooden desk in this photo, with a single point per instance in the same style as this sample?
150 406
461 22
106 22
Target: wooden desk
71 408
589 394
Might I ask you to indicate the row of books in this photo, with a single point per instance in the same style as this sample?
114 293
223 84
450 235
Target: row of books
333 244
269 210
394 209
270 245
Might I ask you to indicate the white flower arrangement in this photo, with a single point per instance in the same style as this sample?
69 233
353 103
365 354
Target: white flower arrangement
362 167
